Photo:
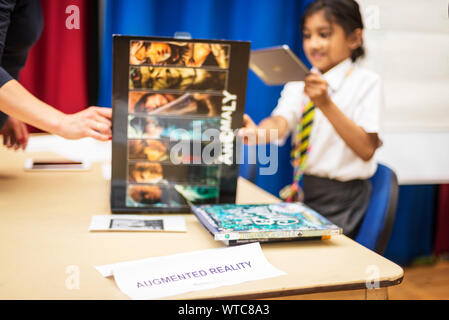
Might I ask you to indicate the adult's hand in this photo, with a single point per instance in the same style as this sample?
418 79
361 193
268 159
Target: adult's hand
15 134
94 122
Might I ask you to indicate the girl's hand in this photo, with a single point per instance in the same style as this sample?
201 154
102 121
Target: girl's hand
94 122
249 131
15 134
315 88
269 130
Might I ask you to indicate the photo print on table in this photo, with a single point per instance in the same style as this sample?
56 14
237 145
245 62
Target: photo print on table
134 224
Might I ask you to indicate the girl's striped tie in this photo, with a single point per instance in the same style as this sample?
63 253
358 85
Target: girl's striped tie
293 192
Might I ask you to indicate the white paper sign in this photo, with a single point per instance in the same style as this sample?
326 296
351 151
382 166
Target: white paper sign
171 275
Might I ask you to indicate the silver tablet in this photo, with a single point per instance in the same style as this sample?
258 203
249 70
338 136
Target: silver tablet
277 65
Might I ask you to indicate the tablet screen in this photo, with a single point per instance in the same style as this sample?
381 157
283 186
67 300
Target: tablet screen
168 95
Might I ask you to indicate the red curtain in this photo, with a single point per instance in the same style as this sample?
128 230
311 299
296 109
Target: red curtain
442 225
57 66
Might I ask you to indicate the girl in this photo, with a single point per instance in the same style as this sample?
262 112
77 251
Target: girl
344 134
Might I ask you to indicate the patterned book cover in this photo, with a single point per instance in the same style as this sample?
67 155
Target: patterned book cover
242 223
177 104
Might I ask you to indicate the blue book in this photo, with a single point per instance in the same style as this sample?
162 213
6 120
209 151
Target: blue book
243 223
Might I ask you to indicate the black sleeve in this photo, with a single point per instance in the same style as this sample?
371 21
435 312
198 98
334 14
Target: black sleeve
6 8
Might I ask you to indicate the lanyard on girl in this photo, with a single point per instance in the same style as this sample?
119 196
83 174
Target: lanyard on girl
293 192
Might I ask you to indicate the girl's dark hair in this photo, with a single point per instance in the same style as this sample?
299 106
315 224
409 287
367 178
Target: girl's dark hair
345 13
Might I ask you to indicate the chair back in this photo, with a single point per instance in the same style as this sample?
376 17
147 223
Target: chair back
378 222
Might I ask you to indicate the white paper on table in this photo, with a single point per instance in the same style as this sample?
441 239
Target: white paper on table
120 222
160 277
86 149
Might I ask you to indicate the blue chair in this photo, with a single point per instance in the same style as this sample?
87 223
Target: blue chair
378 223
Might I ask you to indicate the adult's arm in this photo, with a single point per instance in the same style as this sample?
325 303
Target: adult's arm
17 102
6 9
93 122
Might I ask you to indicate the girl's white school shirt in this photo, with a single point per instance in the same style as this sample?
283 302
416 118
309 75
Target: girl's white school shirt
359 96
